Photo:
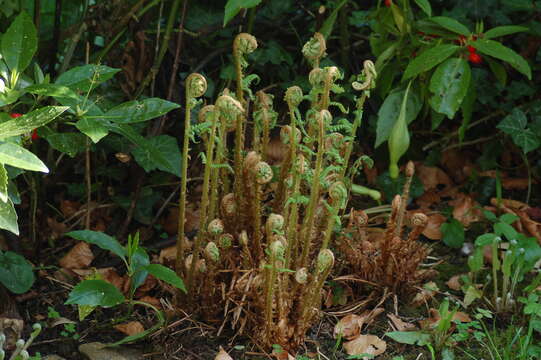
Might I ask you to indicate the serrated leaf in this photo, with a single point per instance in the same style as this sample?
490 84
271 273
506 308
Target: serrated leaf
232 8
86 77
17 156
451 25
165 274
101 240
503 31
139 111
425 6
498 51
19 43
453 233
428 59
15 272
30 121
165 145
95 293
449 84
389 110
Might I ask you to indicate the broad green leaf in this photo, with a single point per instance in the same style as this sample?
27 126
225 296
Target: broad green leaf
428 59
449 84
232 8
30 121
167 146
410 337
389 110
67 143
328 24
165 274
399 138
95 293
101 240
508 218
399 19
20 43
17 156
506 230
10 96
15 272
425 6
93 128
138 111
504 30
471 294
515 124
451 25
453 234
86 77
476 260
160 160
467 110
498 51
4 196
53 90
384 56
485 239
139 262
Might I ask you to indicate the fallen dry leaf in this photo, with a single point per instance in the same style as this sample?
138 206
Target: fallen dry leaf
349 326
432 177
68 208
432 229
222 355
454 283
79 257
465 209
108 274
398 324
366 344
515 184
428 291
130 328
152 301
57 228
435 317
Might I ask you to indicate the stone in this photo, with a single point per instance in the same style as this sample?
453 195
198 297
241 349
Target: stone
99 351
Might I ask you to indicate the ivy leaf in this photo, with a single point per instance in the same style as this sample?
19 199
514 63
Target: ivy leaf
450 84
515 124
95 293
232 8
167 147
451 25
428 59
498 51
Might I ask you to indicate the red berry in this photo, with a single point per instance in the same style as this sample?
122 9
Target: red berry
35 135
388 3
475 58
15 115
471 49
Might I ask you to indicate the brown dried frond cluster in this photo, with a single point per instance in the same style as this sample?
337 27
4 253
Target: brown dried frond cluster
392 258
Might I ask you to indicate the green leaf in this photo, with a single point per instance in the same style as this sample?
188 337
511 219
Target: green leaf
9 96
389 110
15 272
506 230
453 233
20 43
86 77
8 217
472 293
232 8
67 143
168 149
53 90
476 260
4 195
95 293
498 51
93 128
425 6
138 263
503 31
399 138
328 24
451 25
467 110
498 70
515 124
138 111
165 274
508 218
17 156
30 121
485 239
449 84
410 337
428 59
99 239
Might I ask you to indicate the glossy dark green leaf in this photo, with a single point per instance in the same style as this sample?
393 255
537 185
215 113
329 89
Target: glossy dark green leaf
498 51
99 239
19 43
167 147
93 128
17 156
86 77
95 293
139 262
53 90
67 143
428 59
30 121
425 6
232 8
503 31
139 111
451 25
449 85
15 272
165 274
